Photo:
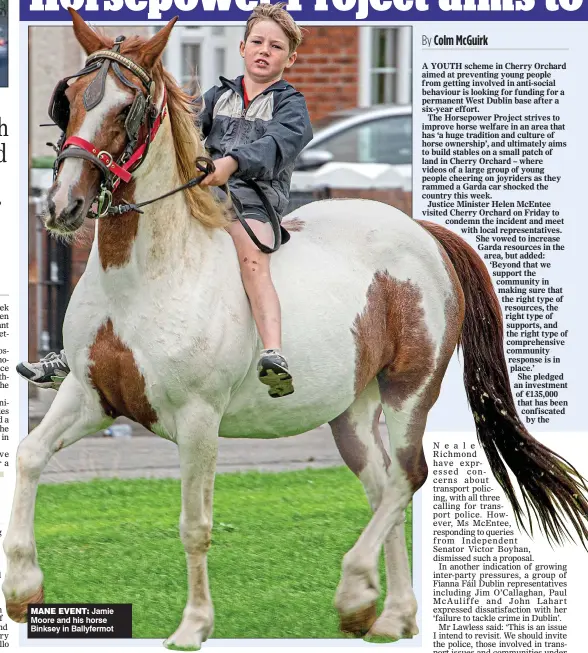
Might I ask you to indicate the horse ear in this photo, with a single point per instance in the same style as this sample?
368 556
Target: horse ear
153 49
85 35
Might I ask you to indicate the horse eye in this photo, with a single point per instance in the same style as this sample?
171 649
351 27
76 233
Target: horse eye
125 112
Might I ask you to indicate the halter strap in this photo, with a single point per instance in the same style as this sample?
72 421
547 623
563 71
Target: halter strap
104 157
140 152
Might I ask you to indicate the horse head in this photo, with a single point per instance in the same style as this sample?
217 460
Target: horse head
109 113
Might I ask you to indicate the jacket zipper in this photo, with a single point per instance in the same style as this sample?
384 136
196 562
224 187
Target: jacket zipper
241 118
244 111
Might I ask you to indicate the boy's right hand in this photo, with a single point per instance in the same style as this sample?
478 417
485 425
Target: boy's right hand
223 169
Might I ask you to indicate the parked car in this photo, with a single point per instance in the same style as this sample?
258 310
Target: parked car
378 134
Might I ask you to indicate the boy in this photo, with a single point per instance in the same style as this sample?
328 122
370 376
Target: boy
255 126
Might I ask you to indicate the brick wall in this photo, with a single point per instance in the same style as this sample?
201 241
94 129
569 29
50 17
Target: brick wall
327 69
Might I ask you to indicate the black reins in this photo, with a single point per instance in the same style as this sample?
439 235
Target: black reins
206 166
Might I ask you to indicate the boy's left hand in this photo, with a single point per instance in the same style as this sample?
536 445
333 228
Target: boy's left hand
224 168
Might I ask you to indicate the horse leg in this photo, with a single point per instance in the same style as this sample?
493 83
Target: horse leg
74 413
406 473
198 454
356 434
405 430
409 388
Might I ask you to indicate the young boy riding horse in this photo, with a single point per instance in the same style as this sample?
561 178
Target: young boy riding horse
255 126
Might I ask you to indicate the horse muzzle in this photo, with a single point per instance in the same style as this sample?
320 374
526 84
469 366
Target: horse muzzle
66 217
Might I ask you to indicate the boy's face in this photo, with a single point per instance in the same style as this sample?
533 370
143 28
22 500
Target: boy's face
266 52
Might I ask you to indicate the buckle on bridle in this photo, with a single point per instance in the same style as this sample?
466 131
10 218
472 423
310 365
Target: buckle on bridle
110 159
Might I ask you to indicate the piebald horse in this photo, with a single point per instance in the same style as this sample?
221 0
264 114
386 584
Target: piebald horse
159 329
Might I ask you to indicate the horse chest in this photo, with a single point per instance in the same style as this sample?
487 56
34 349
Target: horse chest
117 378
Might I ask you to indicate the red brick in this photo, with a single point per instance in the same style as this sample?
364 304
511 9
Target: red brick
326 70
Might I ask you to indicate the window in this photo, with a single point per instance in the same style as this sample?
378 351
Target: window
384 62
190 66
386 65
197 55
384 140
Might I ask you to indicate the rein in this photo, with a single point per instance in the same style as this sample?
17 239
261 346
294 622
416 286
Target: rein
142 115
206 166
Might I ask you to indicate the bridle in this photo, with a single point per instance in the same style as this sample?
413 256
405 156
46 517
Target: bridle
141 126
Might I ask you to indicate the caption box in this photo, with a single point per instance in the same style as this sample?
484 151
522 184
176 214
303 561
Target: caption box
80 620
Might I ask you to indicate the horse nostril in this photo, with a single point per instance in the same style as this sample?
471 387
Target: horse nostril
50 217
51 208
75 207
72 212
71 216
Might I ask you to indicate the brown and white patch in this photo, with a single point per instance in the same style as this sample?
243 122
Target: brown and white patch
353 451
116 234
391 334
115 375
357 435
394 343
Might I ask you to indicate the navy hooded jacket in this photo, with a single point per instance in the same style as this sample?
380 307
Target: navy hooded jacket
265 139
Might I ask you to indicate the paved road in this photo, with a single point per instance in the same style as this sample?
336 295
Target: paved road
145 455
3 73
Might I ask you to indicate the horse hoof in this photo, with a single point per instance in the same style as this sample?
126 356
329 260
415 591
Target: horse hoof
390 628
358 623
188 637
17 610
171 644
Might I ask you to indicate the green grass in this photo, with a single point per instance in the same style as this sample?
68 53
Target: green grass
274 564
43 162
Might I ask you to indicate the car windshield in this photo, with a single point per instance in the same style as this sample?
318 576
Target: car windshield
380 140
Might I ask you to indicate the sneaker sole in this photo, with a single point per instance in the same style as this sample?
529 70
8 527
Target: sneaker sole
46 384
279 383
22 371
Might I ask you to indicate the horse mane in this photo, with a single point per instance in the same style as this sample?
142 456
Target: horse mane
183 115
204 206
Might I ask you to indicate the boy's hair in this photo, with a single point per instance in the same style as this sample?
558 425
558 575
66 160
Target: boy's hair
279 15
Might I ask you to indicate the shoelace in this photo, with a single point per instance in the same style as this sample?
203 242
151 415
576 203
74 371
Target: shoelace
47 361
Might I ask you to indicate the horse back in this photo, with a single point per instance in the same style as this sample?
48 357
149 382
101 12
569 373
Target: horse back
362 287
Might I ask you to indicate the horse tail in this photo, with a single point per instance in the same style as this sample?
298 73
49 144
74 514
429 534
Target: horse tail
551 488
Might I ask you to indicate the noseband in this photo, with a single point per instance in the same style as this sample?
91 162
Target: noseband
141 124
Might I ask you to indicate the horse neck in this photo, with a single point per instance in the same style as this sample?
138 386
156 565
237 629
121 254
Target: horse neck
165 233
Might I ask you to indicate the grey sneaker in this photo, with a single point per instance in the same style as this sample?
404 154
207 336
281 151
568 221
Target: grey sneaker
49 372
272 370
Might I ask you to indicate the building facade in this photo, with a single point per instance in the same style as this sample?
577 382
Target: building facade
337 68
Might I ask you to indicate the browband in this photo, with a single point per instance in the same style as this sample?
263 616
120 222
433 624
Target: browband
127 63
